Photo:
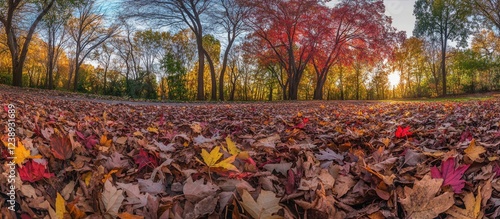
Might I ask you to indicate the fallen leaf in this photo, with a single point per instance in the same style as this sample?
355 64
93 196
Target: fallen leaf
144 159
473 151
403 132
197 190
61 147
21 154
126 215
231 147
451 175
152 130
279 167
121 140
211 159
149 186
33 171
60 206
266 205
112 199
472 207
329 155
420 202
105 142
196 127
134 196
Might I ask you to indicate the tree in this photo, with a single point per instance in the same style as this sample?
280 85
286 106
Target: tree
11 14
211 49
103 55
88 31
230 17
356 28
488 9
443 20
283 28
55 36
176 73
187 12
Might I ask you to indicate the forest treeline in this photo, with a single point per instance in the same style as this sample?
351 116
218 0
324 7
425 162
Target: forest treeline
249 50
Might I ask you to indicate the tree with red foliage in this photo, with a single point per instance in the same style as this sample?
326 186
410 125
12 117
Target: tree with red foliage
287 29
357 31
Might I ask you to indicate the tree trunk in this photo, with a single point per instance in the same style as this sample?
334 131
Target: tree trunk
77 70
17 74
201 68
233 90
271 92
212 76
318 90
223 70
443 65
341 85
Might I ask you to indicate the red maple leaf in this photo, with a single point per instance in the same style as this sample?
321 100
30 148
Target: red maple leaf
144 159
33 171
90 141
451 176
302 124
403 132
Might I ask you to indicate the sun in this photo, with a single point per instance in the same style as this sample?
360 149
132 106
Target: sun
393 79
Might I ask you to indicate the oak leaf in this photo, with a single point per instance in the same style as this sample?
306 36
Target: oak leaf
451 176
264 207
421 201
33 171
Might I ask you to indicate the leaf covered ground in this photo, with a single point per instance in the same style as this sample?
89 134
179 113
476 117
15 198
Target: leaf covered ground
79 158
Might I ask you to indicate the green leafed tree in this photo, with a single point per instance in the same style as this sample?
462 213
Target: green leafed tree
443 20
176 77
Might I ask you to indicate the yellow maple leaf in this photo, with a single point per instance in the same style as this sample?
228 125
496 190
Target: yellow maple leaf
104 141
233 150
153 130
231 147
21 154
211 159
474 151
60 206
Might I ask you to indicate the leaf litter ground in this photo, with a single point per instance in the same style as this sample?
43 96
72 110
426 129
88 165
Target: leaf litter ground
82 158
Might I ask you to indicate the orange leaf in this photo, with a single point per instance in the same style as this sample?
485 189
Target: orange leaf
126 215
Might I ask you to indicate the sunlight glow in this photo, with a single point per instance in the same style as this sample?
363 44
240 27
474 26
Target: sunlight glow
393 79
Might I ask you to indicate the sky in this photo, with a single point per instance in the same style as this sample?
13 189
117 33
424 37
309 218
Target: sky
401 12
